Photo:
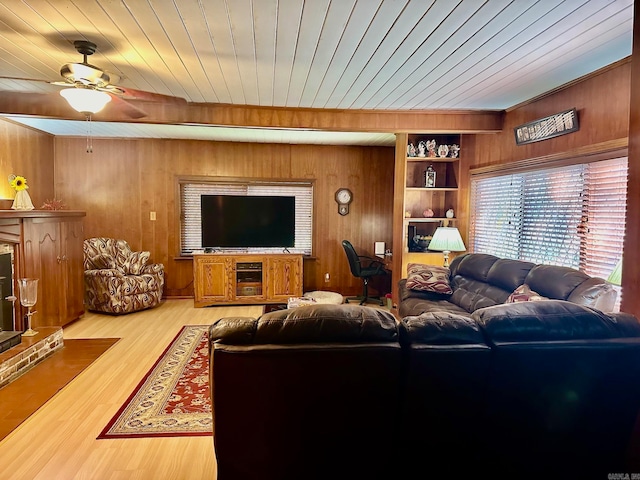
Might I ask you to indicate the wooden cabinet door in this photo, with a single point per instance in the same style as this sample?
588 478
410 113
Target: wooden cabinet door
212 279
71 260
284 277
43 260
48 246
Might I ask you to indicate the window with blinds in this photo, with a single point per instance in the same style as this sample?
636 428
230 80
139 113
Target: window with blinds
572 215
190 218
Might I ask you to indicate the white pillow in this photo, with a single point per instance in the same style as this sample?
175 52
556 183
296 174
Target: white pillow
524 294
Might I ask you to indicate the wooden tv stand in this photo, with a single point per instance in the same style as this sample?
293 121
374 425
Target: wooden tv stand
249 278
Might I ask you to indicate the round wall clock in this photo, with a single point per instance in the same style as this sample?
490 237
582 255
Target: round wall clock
343 198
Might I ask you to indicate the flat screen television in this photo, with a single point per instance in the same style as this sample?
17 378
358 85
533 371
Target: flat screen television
230 221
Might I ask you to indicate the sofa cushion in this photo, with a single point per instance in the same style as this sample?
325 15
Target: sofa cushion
524 294
508 274
553 281
415 302
321 323
471 294
476 266
442 328
103 261
552 320
415 306
595 293
122 250
136 262
405 292
626 324
429 278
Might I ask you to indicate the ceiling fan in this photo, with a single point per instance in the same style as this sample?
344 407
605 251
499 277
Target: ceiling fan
91 88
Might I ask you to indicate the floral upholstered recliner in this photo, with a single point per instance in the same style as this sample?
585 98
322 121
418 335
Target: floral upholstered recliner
118 280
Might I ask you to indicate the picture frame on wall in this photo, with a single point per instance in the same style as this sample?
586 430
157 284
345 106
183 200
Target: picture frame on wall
548 127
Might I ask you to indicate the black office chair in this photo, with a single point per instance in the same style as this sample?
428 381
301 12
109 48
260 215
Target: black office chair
365 268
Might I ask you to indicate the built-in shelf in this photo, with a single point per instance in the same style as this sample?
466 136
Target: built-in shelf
428 219
439 198
433 159
433 189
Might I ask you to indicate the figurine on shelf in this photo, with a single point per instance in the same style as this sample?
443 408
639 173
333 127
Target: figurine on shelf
455 149
428 213
411 150
422 149
443 150
431 146
450 213
430 177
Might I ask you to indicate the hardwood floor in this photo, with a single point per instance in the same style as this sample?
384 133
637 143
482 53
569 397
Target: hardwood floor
29 392
59 440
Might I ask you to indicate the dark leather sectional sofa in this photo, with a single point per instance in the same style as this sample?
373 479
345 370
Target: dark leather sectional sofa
546 389
312 393
479 280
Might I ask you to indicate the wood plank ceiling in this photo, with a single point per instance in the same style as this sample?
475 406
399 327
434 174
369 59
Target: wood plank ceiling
344 54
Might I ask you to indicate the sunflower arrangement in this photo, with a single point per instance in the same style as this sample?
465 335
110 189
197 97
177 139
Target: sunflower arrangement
22 200
18 182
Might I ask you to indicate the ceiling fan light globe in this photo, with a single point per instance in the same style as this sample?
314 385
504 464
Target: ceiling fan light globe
87 74
85 100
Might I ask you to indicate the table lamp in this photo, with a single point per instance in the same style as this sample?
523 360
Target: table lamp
615 276
447 240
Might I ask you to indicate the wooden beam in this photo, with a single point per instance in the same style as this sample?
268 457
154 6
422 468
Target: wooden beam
432 121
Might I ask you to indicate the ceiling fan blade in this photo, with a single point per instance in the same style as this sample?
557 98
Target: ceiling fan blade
19 79
24 79
149 96
127 108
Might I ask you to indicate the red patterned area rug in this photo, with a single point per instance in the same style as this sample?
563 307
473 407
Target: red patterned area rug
172 400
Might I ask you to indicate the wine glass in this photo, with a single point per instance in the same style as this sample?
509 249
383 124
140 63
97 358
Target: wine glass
28 297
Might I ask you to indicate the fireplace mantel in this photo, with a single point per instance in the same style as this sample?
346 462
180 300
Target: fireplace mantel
12 220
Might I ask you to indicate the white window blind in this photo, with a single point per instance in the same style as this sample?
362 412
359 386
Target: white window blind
601 242
572 215
551 215
190 221
497 230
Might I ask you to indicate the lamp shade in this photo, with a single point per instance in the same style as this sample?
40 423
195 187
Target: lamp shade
615 276
447 239
85 100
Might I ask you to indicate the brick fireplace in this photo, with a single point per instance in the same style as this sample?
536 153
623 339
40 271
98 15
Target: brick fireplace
32 350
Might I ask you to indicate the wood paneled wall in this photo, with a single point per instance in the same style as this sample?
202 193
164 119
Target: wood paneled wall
602 102
28 153
122 181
